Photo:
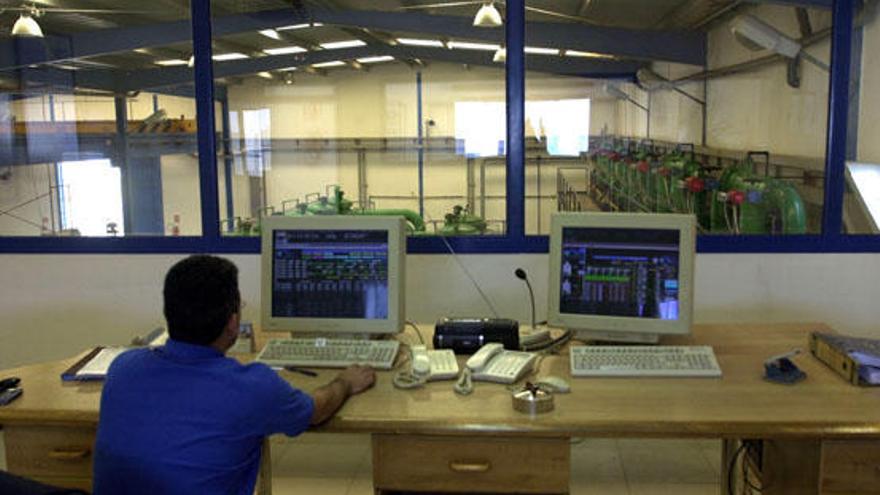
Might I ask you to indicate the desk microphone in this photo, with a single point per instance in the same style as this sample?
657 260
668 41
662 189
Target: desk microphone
521 274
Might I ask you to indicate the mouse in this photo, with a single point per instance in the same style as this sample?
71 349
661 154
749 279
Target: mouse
553 384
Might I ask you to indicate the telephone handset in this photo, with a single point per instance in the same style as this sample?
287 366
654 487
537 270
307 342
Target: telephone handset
494 364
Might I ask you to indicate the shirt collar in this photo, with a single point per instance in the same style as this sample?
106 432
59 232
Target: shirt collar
185 350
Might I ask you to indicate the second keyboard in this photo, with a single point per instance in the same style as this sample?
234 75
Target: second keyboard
637 361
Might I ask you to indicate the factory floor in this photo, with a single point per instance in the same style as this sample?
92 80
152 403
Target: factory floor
334 464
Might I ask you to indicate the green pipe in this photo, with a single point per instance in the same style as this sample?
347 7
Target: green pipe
412 217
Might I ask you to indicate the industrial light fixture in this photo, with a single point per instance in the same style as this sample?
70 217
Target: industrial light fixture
488 16
271 33
284 50
420 42
336 45
467 45
26 26
756 34
500 55
534 50
171 62
333 63
265 75
377 59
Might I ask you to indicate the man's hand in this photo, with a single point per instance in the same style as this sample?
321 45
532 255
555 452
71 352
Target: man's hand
329 398
358 378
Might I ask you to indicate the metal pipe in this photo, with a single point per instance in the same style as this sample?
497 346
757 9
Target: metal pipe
227 161
421 143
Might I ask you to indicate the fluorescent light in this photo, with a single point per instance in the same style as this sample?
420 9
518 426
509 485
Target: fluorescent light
576 53
271 33
142 51
372 60
223 57
284 50
342 44
170 62
420 42
287 69
298 26
265 75
466 45
541 51
334 63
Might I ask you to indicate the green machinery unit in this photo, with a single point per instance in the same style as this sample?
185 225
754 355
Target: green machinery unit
334 202
629 176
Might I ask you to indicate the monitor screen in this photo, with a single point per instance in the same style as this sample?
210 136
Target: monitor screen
625 277
330 274
622 272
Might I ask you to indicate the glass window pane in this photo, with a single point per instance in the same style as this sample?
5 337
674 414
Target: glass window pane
102 144
739 142
861 206
345 117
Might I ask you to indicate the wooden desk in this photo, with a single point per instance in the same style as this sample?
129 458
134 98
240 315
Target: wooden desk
820 436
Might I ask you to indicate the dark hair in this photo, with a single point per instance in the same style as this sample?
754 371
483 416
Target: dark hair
201 294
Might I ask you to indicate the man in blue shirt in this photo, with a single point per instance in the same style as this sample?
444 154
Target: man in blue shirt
185 419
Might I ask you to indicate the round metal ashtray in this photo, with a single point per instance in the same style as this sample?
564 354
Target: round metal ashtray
532 400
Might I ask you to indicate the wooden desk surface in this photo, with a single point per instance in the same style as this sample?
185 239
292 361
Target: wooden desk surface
740 404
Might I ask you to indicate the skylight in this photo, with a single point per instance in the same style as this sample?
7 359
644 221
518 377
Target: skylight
223 57
334 63
271 33
467 45
171 62
298 26
335 45
284 50
420 42
373 60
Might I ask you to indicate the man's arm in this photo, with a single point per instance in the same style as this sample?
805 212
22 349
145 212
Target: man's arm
330 397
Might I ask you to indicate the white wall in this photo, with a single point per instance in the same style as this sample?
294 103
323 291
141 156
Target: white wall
869 111
61 305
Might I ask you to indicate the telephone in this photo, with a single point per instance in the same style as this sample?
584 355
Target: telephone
494 364
434 364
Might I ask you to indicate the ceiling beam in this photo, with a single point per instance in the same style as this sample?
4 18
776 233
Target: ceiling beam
816 4
682 47
671 46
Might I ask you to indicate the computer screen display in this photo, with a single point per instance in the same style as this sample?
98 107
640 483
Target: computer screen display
621 276
620 272
333 274
330 274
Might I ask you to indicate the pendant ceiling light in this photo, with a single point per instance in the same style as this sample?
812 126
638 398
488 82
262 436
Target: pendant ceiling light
26 26
488 16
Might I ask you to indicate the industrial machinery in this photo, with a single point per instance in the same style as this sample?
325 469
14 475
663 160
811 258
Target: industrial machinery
333 202
638 176
462 222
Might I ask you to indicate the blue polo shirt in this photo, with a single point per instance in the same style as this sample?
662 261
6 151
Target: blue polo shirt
185 419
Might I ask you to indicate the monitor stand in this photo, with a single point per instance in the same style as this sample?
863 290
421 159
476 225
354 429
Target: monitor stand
621 337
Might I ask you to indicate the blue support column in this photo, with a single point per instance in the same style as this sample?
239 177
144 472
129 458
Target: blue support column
204 73
121 161
515 73
227 164
838 107
421 145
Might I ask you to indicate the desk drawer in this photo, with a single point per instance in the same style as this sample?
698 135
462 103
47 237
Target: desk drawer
49 451
468 464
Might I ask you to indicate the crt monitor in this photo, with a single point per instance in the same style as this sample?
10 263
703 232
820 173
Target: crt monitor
333 274
622 276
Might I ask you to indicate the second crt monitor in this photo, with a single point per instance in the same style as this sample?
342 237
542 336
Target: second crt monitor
333 274
624 277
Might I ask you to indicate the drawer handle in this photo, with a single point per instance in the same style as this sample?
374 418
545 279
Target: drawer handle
69 454
470 466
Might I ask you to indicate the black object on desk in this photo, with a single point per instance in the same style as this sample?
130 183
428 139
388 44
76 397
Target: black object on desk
781 369
297 369
8 383
467 335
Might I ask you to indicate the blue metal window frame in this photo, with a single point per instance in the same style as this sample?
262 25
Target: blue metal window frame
831 240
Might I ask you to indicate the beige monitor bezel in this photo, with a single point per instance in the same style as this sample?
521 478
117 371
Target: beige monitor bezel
396 275
685 224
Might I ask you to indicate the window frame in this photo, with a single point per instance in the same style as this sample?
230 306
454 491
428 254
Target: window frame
830 240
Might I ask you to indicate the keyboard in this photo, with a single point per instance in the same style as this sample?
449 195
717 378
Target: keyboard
329 353
444 365
671 361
